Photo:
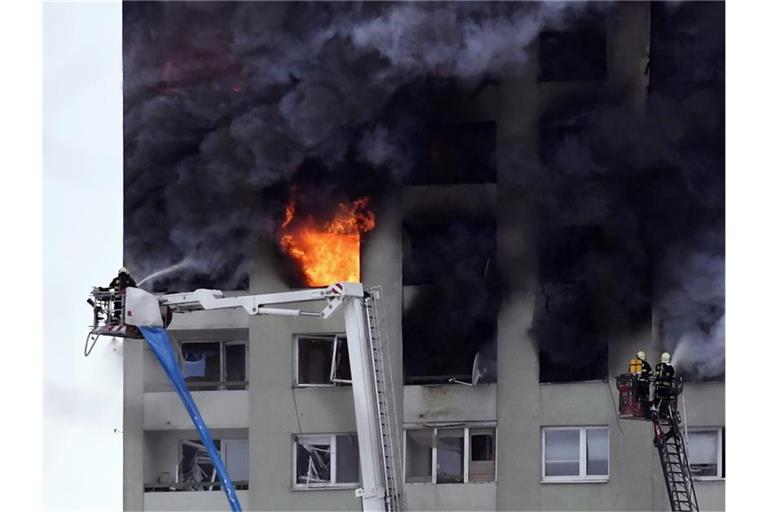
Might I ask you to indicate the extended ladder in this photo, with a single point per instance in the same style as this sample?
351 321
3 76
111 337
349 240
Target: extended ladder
668 438
385 404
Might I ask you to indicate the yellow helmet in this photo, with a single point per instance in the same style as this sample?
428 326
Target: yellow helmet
665 357
641 355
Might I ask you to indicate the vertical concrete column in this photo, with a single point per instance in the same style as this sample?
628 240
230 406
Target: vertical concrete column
133 425
381 265
518 396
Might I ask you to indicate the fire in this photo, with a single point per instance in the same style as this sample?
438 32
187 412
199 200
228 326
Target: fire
327 252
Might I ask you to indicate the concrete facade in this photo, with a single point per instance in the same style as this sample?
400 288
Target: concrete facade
518 406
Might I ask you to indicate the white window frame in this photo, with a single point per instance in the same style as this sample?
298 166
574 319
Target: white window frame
719 431
221 385
223 445
331 437
582 476
467 448
332 338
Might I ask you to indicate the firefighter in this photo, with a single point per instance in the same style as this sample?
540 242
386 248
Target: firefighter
665 374
641 369
122 281
119 284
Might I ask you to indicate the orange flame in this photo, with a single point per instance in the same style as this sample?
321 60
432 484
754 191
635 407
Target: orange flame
328 252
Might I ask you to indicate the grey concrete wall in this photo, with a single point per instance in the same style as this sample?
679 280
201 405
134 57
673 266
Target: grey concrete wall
220 409
133 427
275 417
451 496
449 403
191 500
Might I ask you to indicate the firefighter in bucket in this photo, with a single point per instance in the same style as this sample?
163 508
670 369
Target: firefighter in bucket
664 376
641 369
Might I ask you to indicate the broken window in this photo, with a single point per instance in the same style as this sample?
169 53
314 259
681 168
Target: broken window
575 55
196 469
450 455
575 453
571 345
482 457
196 466
326 460
322 360
418 455
706 453
449 268
215 364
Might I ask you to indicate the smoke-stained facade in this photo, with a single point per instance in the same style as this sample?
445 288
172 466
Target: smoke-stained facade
547 181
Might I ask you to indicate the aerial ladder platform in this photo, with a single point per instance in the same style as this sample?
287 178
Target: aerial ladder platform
669 434
134 313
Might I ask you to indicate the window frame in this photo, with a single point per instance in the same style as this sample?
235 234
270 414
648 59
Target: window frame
333 338
222 384
582 477
719 431
295 486
223 442
466 456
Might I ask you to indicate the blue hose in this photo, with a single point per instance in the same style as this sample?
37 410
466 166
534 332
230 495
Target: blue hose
159 342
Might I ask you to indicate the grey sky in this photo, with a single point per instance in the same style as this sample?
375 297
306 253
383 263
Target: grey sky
82 244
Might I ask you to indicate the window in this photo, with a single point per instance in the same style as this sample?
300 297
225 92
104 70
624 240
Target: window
322 360
215 364
566 324
706 453
482 455
326 460
456 154
196 470
575 454
578 55
450 455
440 263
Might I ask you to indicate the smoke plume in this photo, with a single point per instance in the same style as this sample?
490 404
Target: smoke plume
230 106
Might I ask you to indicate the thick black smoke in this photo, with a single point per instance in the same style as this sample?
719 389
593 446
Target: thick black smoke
229 105
226 101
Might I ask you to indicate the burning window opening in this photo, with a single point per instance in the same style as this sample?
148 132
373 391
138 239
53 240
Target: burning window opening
463 153
566 327
327 252
441 262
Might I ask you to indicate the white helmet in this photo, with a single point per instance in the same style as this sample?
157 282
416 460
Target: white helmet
641 355
665 357
123 270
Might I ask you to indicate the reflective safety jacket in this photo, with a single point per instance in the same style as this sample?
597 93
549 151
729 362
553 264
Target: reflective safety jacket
664 373
639 367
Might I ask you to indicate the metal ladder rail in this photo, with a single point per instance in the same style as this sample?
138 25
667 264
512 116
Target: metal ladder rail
381 389
681 449
674 463
385 402
384 388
